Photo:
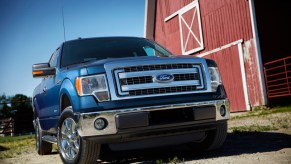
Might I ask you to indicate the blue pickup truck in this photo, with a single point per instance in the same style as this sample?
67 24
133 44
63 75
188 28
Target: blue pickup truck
127 93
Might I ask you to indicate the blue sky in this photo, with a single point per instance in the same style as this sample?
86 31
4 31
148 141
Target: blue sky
30 30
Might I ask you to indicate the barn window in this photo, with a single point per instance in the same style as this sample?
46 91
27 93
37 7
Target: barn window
190 28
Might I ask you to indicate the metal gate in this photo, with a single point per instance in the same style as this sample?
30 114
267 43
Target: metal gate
278 77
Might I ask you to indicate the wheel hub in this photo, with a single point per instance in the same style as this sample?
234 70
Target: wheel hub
69 139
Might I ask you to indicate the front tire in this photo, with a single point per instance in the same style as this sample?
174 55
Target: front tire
214 138
73 148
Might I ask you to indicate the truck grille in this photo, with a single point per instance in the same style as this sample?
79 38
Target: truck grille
142 80
149 79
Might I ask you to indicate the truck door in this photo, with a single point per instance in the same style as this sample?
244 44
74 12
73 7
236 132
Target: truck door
51 90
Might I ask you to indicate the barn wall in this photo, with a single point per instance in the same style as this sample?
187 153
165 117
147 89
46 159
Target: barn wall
168 34
232 80
223 22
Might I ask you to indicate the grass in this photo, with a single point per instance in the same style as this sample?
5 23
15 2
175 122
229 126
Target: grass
283 123
13 146
173 160
263 111
252 128
274 122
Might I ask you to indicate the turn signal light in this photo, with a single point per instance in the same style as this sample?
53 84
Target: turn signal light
37 72
78 86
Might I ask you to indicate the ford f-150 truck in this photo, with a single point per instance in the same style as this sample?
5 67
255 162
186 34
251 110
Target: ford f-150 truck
127 93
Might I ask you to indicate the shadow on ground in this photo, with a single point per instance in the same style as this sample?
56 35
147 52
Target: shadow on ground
235 144
3 148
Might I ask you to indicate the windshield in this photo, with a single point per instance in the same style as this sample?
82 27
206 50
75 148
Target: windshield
83 50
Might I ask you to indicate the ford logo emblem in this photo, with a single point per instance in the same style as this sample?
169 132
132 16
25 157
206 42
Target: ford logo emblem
164 78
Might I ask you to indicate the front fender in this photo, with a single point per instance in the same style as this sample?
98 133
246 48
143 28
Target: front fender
79 104
69 89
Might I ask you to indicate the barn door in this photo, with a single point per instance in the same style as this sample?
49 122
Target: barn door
231 66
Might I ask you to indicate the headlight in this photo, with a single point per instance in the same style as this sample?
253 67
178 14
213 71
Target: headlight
214 78
93 85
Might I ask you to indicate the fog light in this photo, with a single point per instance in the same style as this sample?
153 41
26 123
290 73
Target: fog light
100 123
222 111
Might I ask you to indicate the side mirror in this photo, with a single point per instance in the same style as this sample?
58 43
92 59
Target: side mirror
42 70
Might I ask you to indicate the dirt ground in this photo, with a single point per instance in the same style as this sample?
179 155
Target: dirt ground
250 147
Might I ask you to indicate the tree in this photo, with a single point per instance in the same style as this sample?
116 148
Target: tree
24 115
20 101
3 97
5 110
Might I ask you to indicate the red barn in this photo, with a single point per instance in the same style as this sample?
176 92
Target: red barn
247 38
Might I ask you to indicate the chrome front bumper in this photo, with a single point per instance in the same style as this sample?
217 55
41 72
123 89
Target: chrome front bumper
85 121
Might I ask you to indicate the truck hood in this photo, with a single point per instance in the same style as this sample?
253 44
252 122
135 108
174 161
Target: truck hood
98 66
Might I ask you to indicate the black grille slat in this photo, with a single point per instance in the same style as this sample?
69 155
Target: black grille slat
136 80
188 76
160 117
162 90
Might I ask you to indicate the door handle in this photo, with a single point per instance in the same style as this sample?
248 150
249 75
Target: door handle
44 89
58 81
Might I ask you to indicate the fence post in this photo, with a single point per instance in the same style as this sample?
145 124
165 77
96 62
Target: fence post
12 127
266 81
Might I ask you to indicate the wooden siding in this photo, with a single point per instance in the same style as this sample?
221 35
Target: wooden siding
228 59
223 22
250 61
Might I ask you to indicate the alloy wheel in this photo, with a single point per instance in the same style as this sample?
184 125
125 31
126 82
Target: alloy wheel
69 139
